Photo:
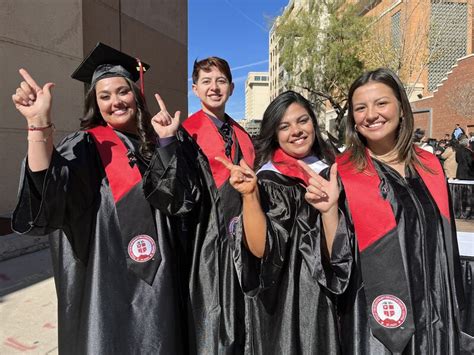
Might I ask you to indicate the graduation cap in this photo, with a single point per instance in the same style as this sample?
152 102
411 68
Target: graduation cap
104 61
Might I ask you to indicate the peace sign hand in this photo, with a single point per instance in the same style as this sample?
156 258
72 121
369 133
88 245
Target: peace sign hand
33 101
163 123
321 193
242 177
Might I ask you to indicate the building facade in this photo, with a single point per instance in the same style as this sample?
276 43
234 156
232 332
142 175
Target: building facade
278 77
450 103
432 44
257 94
50 38
423 38
251 126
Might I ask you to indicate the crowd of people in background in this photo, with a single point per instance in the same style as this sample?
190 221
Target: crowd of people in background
455 151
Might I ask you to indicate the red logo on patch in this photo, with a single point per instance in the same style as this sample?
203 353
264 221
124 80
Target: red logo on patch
141 248
389 311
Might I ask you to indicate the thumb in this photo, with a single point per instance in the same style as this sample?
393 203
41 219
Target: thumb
177 115
47 88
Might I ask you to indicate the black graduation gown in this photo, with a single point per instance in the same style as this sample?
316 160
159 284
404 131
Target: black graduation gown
103 307
425 259
291 304
217 306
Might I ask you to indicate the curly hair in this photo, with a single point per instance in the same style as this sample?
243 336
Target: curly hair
267 141
146 133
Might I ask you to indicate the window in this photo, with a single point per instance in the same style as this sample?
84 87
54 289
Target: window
448 39
396 31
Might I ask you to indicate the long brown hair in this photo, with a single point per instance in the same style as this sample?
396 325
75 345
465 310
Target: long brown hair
357 144
93 118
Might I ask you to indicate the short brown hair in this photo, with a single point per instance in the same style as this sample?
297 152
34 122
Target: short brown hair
206 65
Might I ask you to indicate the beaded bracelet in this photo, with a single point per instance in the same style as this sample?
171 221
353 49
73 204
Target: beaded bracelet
42 128
42 140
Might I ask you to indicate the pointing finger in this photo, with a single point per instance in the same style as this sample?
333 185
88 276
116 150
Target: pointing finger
160 102
333 172
225 162
307 169
29 79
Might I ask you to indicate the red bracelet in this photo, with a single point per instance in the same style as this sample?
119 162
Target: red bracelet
35 128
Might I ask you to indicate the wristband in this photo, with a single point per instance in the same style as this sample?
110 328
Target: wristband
42 140
41 128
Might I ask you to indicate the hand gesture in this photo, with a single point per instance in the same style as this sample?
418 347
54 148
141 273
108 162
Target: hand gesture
321 193
242 177
33 101
163 123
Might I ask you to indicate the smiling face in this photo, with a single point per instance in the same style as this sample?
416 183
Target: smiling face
296 133
213 89
117 104
377 113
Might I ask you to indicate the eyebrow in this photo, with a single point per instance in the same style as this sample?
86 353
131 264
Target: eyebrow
354 103
306 115
119 88
208 77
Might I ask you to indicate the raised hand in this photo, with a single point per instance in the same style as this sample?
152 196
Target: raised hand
163 123
322 194
242 177
33 101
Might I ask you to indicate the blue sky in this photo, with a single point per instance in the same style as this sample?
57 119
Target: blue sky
236 30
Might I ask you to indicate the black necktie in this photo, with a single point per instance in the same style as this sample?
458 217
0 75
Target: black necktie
226 131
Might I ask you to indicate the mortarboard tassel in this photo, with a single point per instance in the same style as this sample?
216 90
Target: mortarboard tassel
141 70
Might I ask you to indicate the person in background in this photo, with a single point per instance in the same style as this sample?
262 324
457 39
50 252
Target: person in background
406 293
457 132
450 164
421 140
287 226
465 160
118 262
440 147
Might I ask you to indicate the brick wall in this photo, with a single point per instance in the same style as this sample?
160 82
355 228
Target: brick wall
442 103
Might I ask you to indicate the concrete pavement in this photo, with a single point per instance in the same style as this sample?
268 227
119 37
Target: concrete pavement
28 305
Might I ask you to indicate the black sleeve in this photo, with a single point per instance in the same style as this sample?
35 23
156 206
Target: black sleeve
332 272
172 183
279 206
37 179
50 199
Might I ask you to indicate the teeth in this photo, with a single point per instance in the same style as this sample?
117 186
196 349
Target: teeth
375 124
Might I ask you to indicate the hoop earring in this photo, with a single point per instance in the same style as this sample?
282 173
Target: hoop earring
355 127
